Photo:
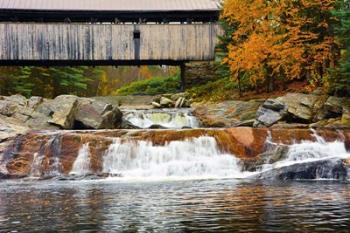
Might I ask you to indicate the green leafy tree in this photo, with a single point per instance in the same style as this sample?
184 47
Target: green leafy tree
340 84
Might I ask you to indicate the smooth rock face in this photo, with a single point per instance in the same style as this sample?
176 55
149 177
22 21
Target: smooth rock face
228 113
64 108
302 107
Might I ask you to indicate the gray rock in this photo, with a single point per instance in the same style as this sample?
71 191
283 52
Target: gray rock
156 105
166 102
7 108
92 114
64 108
17 99
302 107
34 101
127 125
271 112
323 169
274 105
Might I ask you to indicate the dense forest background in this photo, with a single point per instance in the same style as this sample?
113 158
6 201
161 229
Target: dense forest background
82 81
267 45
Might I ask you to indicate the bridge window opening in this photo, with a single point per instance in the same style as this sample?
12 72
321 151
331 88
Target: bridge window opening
137 35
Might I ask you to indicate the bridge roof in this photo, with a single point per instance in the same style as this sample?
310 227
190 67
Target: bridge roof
110 5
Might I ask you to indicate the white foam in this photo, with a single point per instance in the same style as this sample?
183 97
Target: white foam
81 166
171 118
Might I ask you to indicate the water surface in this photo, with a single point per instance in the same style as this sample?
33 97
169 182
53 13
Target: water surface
176 206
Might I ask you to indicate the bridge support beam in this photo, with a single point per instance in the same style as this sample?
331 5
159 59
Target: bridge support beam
183 77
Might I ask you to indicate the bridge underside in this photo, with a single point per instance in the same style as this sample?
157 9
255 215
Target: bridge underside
48 44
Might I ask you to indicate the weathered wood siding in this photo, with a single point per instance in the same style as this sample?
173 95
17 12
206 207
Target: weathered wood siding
98 42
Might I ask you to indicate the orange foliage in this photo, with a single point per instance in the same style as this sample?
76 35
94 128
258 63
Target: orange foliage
287 39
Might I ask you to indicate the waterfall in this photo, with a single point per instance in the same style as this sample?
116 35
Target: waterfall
168 118
322 157
81 166
189 159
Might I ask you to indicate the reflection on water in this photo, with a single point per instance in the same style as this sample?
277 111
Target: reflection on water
186 206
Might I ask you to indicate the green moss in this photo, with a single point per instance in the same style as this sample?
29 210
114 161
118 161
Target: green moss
152 86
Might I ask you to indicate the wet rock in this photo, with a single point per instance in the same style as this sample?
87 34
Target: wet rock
157 127
127 125
92 114
270 156
324 169
64 108
166 102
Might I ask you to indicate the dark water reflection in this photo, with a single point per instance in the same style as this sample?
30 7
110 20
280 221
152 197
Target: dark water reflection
186 206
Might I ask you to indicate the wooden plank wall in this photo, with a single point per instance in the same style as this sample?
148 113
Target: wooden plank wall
93 42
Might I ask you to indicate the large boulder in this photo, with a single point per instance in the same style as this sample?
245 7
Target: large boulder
227 113
302 108
166 102
323 169
93 114
270 113
64 108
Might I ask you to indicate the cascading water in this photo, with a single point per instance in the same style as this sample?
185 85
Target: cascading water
81 166
168 118
324 159
190 159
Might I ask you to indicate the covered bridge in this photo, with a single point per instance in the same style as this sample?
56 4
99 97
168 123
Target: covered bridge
107 32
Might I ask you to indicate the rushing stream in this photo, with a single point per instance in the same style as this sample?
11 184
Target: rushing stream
167 118
182 185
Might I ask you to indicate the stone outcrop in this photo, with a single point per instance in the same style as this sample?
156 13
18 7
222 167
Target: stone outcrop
64 108
294 110
228 113
92 114
18 114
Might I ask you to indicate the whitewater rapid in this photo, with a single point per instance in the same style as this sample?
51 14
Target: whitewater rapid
197 158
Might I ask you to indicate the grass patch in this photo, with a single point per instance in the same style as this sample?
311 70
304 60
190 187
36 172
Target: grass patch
221 89
154 86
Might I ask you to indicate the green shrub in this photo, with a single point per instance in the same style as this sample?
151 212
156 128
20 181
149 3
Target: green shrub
221 89
152 86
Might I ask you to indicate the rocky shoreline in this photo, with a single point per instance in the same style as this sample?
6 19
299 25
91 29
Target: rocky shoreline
19 115
293 110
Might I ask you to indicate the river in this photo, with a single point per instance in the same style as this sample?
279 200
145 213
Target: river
228 205
178 180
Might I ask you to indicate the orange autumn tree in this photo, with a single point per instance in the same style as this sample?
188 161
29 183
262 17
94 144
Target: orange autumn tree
279 40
